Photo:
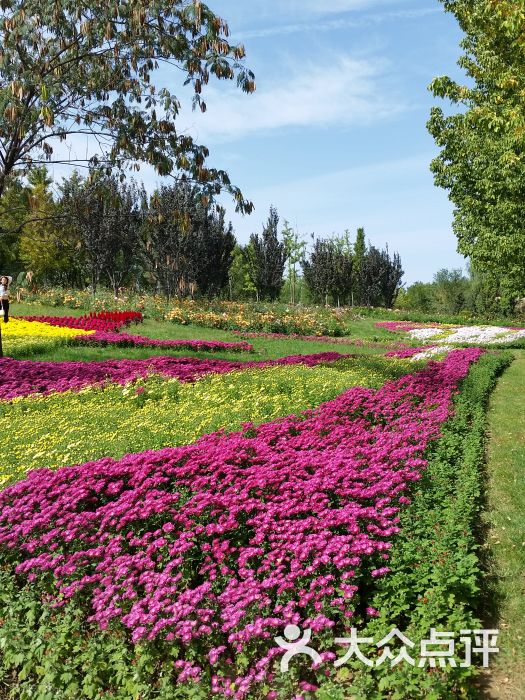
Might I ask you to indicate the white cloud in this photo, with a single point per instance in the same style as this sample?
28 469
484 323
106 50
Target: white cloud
324 7
242 15
343 91
347 22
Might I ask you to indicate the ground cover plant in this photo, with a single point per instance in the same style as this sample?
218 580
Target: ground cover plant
437 573
340 471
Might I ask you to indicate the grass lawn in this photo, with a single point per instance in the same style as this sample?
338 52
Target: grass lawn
378 340
505 523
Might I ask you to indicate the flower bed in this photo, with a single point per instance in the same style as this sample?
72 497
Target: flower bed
128 341
457 335
23 328
404 326
271 318
114 420
103 321
22 337
356 342
426 352
24 377
203 553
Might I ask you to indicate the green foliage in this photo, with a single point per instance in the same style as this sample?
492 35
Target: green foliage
14 207
68 68
46 248
482 146
359 257
104 217
265 258
295 251
187 243
453 293
328 272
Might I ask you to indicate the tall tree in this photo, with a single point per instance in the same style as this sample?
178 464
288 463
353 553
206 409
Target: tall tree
482 157
358 258
451 289
214 245
343 263
380 277
105 217
392 278
42 248
128 218
318 270
168 233
240 276
70 68
295 251
267 258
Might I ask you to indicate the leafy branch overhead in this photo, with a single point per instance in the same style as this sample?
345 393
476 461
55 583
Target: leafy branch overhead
71 68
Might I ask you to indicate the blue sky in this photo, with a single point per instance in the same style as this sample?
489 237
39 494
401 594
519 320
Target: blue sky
334 136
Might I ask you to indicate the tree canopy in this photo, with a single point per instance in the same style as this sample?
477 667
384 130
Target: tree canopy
70 69
482 157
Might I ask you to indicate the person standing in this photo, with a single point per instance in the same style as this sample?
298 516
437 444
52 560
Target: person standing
5 281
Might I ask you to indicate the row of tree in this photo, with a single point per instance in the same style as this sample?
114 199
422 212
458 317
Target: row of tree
453 292
353 274
101 230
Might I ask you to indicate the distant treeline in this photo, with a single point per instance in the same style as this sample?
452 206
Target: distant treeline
99 230
453 292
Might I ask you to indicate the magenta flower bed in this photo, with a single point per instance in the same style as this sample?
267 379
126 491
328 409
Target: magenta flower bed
94 321
24 377
126 340
404 326
216 546
407 352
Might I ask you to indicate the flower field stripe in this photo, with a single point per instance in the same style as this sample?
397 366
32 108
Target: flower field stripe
126 340
96 321
457 335
18 328
219 544
78 426
25 377
22 337
345 340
